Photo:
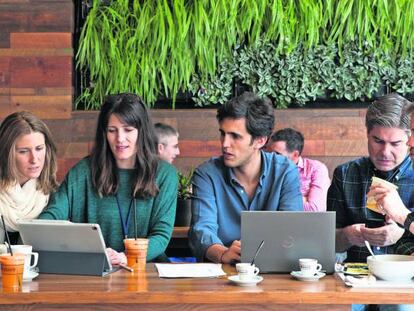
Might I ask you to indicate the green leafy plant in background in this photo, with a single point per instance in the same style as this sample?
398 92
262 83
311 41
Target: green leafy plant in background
294 51
404 77
289 78
216 88
185 189
357 74
154 47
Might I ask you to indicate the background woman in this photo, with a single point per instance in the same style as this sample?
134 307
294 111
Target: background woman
122 179
27 169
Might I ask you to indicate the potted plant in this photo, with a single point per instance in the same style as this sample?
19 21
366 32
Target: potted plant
185 190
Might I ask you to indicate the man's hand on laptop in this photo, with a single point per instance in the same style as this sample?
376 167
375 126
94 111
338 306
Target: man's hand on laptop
232 254
115 257
221 254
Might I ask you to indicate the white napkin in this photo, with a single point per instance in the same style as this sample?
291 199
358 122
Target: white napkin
370 281
189 270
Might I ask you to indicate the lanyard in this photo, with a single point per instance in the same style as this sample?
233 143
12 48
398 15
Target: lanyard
126 223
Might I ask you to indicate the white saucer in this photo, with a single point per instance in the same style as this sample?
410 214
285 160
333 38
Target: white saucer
251 282
307 278
30 276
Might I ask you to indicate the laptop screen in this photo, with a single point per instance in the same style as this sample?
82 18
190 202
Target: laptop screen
288 236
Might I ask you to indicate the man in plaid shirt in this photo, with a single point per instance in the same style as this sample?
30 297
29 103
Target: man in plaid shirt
388 130
393 206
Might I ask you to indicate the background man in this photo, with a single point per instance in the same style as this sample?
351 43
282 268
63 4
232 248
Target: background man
314 175
167 142
244 178
388 132
393 207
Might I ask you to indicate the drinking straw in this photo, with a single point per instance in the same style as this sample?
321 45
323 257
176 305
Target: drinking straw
135 219
7 235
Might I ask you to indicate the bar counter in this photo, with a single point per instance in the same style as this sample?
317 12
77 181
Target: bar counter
124 290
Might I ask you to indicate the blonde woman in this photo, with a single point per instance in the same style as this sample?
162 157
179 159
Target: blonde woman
27 170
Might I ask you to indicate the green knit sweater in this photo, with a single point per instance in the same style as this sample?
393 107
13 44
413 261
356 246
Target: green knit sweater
77 201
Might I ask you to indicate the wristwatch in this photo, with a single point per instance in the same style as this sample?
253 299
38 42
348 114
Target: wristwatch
408 221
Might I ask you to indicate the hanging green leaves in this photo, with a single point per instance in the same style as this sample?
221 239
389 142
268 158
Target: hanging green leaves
291 50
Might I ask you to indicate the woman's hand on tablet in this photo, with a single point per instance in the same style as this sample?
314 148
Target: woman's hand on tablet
115 257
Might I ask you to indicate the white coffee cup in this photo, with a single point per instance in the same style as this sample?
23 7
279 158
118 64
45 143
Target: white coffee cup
309 266
29 267
246 271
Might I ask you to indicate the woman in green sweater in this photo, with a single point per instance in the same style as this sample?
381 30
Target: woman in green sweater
122 185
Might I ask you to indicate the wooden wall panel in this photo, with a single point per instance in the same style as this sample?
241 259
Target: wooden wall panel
12 18
186 164
45 40
33 52
4 72
36 57
73 150
52 71
204 124
37 16
349 127
5 105
314 147
345 147
41 91
64 164
14 1
44 107
199 148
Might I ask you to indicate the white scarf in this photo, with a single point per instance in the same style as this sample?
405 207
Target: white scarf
21 203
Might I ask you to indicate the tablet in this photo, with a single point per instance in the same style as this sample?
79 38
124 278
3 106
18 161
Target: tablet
65 247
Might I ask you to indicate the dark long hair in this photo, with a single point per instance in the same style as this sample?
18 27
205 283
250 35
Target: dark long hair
14 127
131 110
258 112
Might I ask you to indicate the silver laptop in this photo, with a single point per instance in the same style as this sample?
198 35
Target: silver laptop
288 236
67 248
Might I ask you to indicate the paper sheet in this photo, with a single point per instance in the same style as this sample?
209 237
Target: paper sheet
190 270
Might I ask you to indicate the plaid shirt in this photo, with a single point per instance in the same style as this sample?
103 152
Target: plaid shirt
347 197
405 245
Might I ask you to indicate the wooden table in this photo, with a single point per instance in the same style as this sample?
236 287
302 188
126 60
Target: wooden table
123 290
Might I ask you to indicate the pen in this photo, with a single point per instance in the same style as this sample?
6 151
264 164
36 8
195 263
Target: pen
126 268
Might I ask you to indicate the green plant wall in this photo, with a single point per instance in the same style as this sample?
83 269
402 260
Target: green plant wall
291 50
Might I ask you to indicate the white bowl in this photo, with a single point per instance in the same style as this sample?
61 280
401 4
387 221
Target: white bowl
392 267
